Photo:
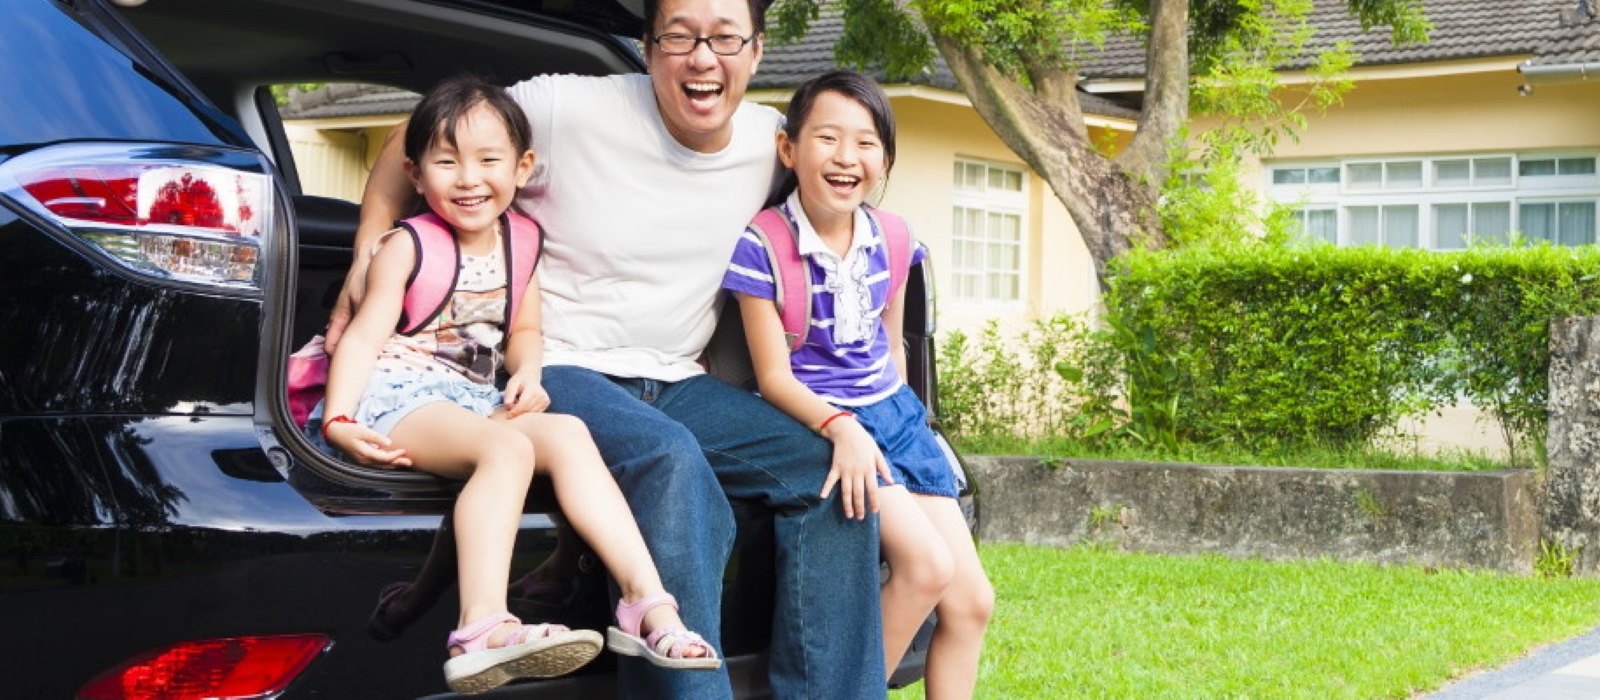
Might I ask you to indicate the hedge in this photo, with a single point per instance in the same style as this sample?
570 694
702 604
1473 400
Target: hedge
1276 345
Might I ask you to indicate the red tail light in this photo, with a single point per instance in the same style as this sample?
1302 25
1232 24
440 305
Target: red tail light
180 213
232 667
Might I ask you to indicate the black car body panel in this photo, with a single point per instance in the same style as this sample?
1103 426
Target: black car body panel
152 492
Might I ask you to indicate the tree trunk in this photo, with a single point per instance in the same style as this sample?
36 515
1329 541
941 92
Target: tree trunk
1113 203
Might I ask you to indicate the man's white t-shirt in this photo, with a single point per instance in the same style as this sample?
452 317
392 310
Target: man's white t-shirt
639 228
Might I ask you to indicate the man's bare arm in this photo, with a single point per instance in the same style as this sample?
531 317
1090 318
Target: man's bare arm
387 197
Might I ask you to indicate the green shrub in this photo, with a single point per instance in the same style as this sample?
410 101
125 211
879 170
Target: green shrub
1276 348
996 387
1282 345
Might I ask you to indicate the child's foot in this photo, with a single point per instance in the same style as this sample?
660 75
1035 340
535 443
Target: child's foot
543 587
668 645
392 615
482 660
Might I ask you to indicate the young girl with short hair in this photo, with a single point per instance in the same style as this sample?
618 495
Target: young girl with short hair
427 399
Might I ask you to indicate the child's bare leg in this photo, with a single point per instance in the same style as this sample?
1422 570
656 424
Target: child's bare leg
496 462
594 505
396 611
964 610
920 569
552 578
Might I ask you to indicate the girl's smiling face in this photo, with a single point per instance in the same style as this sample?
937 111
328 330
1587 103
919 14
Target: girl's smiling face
837 157
470 182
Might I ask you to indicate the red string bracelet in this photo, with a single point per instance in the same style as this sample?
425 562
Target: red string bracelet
833 418
341 418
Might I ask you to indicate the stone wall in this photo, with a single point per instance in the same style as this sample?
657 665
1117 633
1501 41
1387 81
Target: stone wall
1483 520
1492 520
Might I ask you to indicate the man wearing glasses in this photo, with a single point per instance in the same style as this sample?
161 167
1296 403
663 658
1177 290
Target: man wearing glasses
643 185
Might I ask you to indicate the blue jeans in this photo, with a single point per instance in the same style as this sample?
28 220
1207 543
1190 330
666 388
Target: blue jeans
681 451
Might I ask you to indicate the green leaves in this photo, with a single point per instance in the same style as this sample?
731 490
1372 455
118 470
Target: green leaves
1282 345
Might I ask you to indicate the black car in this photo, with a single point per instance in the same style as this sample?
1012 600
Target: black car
164 530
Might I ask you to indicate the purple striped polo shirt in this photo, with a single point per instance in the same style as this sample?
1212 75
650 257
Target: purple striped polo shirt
845 358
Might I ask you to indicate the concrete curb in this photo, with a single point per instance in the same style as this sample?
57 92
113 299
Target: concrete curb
1483 520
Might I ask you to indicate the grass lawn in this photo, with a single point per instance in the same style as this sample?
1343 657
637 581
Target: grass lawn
1088 622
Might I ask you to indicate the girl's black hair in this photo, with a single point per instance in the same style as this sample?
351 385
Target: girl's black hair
861 88
436 116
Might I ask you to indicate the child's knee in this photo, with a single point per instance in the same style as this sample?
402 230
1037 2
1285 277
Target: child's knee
969 601
568 427
502 445
929 573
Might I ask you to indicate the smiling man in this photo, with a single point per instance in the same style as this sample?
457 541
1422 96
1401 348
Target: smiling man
643 185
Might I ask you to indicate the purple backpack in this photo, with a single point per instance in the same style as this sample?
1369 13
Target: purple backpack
438 264
789 276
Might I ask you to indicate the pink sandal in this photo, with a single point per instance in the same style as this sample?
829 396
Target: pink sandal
664 647
532 651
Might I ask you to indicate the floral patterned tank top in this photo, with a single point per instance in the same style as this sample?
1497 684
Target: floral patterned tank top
467 337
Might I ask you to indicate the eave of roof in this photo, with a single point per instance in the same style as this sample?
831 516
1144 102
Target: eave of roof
1463 31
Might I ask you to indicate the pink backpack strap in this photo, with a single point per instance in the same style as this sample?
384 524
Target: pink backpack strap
791 282
433 276
897 235
523 248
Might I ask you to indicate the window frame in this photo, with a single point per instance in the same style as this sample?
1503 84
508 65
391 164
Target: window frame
1514 189
989 202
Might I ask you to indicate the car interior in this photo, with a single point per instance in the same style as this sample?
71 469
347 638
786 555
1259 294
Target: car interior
233 51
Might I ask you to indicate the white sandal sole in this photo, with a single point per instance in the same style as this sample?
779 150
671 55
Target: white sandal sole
545 657
628 645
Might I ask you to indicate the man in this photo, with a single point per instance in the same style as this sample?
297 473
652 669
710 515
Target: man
644 184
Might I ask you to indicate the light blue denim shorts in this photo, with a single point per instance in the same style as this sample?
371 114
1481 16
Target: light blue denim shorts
899 424
392 396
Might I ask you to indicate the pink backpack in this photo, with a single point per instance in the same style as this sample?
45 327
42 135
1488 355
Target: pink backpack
438 264
789 274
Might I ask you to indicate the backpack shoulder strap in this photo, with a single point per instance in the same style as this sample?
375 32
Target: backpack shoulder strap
792 293
523 246
434 275
897 235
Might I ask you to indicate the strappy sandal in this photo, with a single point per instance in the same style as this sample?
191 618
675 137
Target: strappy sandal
389 619
664 647
532 651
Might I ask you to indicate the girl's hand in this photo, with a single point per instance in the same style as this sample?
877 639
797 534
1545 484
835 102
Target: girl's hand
857 463
365 446
524 394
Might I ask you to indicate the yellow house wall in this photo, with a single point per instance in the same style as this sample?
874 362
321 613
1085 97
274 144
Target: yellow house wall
334 161
1057 274
1475 112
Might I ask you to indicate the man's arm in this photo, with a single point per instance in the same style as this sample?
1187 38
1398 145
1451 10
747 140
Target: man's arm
387 197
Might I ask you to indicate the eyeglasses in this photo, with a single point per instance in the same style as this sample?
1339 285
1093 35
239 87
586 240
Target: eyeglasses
720 44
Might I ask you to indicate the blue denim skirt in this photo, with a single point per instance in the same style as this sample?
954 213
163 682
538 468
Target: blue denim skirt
899 424
392 396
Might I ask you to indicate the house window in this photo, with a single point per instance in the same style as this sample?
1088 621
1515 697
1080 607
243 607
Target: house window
1393 226
1545 167
1318 224
1562 223
1471 172
1457 225
1443 202
989 216
1305 176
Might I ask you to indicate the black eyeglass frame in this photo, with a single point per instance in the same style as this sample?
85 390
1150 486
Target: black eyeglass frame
696 41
